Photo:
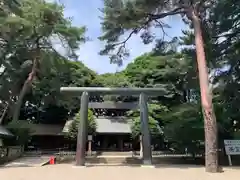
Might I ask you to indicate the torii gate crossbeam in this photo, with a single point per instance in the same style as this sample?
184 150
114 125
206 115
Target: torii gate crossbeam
84 92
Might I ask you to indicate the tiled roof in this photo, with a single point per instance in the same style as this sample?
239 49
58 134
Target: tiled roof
46 129
113 125
108 125
5 132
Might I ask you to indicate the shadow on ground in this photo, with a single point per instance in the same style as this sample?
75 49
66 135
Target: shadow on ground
162 162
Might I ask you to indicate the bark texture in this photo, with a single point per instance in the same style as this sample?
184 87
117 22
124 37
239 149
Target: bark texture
4 113
27 84
210 124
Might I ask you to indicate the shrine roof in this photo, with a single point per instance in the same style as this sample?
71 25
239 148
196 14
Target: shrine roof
112 125
5 132
46 129
113 105
108 125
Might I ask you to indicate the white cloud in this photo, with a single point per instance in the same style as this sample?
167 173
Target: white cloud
88 54
86 13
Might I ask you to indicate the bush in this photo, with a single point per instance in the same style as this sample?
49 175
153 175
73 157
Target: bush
154 128
22 131
154 114
236 135
185 129
73 126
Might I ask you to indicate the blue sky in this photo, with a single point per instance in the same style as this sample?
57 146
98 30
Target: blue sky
86 13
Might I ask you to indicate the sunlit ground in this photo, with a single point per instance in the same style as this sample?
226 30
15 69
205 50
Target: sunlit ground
70 172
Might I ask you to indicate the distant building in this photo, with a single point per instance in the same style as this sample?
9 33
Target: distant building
113 131
4 133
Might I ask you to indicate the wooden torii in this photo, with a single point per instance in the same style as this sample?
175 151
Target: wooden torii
85 92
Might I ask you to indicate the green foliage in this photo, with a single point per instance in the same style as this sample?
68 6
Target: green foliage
9 6
112 80
173 71
154 128
57 73
170 70
184 128
152 70
132 17
45 20
236 135
73 126
223 26
155 111
22 130
178 115
29 42
155 116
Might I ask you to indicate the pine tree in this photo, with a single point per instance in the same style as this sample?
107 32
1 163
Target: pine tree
138 16
29 35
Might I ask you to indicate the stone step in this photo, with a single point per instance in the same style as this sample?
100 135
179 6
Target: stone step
113 160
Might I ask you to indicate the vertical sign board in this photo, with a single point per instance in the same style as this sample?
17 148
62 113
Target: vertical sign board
232 147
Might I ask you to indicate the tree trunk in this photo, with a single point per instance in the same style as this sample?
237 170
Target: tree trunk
210 124
26 86
4 113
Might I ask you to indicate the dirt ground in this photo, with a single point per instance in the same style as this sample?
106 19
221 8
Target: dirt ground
70 172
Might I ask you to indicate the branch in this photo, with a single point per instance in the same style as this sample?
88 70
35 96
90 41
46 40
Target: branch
123 43
57 53
161 26
134 31
163 15
228 35
150 17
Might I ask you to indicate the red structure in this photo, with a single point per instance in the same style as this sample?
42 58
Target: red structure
52 160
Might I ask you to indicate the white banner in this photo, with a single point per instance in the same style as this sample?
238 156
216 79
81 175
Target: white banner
232 147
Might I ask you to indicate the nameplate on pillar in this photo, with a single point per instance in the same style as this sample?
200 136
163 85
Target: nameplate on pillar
90 137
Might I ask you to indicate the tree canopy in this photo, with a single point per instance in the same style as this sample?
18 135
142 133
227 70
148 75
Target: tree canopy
74 123
27 40
140 16
38 56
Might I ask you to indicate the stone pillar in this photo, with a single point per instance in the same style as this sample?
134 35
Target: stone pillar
141 146
89 145
82 131
146 141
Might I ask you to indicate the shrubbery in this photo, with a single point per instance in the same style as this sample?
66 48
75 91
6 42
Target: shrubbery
73 126
21 130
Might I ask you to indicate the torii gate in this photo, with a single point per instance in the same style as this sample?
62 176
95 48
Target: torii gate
143 93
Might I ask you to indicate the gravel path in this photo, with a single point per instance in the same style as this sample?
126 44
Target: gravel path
70 172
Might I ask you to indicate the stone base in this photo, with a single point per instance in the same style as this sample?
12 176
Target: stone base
148 166
147 162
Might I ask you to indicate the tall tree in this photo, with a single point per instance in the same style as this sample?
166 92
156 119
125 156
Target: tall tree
58 73
226 31
7 7
138 16
170 71
36 29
